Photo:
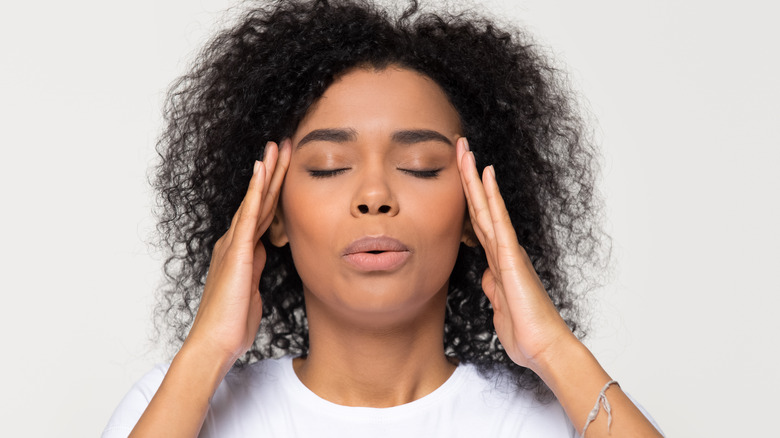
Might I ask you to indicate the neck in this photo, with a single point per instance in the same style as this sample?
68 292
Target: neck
382 364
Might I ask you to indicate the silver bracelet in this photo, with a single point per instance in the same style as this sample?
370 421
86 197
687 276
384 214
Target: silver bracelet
602 400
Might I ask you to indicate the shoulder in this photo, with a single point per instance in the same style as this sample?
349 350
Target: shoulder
132 406
267 397
239 390
512 411
259 380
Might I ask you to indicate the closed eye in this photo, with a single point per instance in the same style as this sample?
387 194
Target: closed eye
427 173
316 173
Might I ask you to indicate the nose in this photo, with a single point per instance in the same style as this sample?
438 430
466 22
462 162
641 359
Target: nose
374 195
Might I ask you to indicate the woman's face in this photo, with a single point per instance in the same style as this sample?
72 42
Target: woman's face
372 204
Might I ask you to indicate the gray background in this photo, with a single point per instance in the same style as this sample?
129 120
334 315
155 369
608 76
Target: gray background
687 101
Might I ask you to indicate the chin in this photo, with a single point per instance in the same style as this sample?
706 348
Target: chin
377 305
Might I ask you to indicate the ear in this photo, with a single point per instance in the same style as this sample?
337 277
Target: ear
276 232
469 238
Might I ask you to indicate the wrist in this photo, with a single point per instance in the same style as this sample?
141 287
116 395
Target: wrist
568 361
209 349
556 354
211 365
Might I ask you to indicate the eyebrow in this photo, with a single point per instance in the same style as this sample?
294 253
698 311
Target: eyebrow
418 136
408 136
333 135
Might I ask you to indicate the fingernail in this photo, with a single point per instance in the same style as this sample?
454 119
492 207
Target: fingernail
492 171
265 151
469 157
257 166
466 144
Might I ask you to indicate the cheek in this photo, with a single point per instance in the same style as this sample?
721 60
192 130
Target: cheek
307 213
441 213
307 225
439 227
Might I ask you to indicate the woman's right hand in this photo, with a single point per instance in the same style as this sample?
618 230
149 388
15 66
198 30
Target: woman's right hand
229 313
231 308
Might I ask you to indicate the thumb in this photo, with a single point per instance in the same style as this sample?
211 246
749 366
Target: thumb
258 263
489 284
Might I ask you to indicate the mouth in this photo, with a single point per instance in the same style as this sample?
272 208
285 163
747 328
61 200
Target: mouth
381 253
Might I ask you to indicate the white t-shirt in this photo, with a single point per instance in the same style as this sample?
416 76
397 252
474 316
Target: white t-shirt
266 399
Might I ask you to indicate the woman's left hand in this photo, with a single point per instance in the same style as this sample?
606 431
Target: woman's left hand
527 323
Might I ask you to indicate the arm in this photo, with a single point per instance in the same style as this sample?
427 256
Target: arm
229 313
179 406
528 324
576 378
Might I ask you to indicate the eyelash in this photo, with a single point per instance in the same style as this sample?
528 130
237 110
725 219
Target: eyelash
424 174
327 173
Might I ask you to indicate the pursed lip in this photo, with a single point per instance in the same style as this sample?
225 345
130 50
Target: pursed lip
375 254
369 243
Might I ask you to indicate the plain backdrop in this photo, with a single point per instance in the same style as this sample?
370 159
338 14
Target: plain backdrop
687 103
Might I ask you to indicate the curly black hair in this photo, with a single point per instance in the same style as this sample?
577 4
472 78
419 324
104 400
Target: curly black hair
255 81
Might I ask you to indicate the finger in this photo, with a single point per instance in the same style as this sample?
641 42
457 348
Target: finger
515 261
247 220
274 187
461 152
475 196
467 166
502 222
479 212
280 170
477 200
258 263
489 284
233 221
268 155
506 237
461 149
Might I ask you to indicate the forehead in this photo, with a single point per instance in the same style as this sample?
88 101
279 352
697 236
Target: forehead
390 98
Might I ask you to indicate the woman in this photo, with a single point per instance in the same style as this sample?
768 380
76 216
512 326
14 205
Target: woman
398 291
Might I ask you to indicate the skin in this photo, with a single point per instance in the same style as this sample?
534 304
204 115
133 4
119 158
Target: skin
369 328
384 184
